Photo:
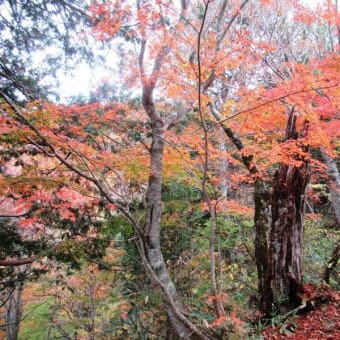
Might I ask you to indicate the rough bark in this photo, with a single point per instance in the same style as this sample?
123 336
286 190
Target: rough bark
262 222
283 281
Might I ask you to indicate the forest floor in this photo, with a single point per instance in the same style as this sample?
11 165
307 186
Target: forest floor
321 321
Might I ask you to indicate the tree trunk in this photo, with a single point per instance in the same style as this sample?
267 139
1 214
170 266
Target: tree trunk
283 281
334 179
151 232
332 262
262 200
13 312
151 253
262 222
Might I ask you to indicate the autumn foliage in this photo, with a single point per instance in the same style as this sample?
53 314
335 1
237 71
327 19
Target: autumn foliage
214 88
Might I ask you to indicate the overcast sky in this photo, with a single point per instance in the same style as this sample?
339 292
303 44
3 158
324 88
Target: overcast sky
84 78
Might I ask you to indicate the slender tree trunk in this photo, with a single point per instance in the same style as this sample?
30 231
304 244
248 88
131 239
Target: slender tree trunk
92 318
13 312
332 262
262 222
283 281
202 86
151 232
151 253
334 178
223 165
262 199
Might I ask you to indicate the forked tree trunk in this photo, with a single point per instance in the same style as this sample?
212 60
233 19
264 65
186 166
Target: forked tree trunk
151 253
283 281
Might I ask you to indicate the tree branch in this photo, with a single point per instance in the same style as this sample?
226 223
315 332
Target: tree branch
93 180
247 160
231 21
17 262
275 100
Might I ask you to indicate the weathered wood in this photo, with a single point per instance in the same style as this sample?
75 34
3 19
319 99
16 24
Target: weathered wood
283 281
262 222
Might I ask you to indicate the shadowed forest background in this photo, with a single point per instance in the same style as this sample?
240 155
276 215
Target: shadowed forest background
193 192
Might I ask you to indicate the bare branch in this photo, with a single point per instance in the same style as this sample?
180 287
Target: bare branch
247 160
231 21
17 262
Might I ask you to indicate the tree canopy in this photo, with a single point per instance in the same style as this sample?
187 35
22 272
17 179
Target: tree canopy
208 102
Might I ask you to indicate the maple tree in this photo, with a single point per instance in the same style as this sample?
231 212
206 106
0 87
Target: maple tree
237 76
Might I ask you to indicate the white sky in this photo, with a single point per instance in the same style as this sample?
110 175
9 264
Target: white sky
80 81
84 79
